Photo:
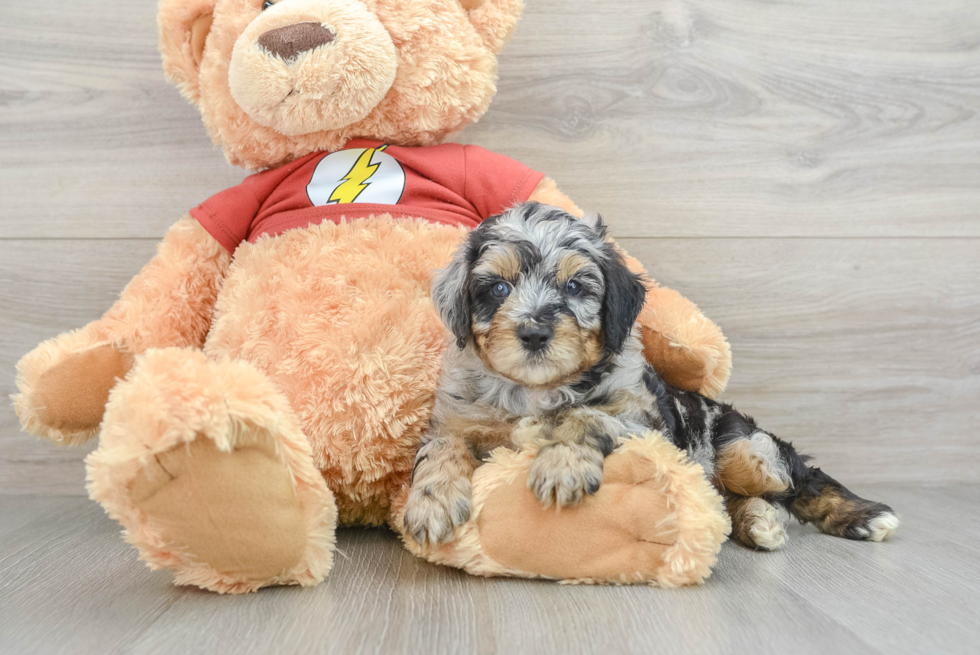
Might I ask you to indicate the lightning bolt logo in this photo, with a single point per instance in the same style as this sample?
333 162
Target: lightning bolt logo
357 178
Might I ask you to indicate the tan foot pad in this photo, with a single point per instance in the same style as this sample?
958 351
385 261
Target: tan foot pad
71 396
234 511
656 519
620 533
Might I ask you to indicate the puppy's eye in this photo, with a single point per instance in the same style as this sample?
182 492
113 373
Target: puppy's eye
500 290
267 4
573 288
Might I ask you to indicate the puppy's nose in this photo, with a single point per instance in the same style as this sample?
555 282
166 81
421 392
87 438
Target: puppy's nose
288 42
534 336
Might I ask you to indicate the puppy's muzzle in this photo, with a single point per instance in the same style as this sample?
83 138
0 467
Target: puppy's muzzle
535 336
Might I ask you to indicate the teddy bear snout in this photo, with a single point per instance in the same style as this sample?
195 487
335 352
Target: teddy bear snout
288 42
310 66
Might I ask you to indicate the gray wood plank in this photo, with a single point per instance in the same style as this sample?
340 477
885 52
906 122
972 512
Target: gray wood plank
674 117
865 353
93 140
69 584
18 511
929 579
713 117
408 606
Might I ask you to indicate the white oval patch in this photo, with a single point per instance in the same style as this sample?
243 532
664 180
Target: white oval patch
364 175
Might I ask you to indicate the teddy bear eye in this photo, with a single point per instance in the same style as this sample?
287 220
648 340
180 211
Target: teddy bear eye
267 4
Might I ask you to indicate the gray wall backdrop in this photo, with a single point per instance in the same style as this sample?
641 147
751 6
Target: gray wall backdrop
807 171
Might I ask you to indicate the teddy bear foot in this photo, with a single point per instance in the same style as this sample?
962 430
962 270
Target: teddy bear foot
204 465
654 520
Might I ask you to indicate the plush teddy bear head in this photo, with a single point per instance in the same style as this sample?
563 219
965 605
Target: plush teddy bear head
279 79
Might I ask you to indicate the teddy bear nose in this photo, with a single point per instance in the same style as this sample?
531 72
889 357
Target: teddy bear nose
288 42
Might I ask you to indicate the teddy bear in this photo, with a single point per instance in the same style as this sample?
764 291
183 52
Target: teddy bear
267 375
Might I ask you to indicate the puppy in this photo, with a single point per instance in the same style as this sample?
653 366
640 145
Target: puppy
543 311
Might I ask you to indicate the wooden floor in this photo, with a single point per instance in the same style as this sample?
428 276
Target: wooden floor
68 584
808 171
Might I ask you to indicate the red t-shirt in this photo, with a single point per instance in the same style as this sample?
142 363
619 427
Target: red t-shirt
451 184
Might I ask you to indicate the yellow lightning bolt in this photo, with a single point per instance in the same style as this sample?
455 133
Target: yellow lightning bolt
357 178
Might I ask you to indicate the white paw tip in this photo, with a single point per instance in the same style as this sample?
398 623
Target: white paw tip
882 526
768 534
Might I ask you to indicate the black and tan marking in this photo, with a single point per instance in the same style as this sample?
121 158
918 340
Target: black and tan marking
747 462
543 312
834 509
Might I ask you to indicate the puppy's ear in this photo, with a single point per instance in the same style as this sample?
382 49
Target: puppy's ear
625 294
451 295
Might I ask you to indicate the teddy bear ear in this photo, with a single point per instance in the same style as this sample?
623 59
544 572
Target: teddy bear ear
184 26
494 20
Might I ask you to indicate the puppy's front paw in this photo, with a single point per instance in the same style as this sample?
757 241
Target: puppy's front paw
434 511
564 473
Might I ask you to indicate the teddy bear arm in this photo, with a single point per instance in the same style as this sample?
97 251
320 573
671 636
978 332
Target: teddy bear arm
64 383
683 345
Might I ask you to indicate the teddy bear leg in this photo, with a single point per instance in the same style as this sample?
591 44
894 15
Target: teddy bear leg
206 467
655 519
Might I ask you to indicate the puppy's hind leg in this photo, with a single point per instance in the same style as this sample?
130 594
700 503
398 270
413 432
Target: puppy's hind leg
756 523
764 465
761 465
815 497
753 466
829 505
749 468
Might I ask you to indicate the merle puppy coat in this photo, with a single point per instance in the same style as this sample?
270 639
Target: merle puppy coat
543 312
